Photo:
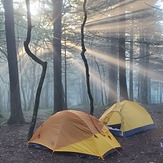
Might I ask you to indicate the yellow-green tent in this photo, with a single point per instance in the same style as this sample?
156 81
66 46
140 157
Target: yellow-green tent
127 118
75 131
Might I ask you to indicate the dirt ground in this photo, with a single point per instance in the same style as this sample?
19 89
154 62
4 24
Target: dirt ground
141 148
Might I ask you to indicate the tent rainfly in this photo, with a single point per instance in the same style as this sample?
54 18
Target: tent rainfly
76 132
127 118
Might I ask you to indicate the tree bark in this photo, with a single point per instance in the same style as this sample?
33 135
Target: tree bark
57 59
16 116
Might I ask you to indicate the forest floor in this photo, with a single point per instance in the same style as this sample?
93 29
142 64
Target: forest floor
141 148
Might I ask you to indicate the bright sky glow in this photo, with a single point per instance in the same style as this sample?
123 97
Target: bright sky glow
160 4
35 8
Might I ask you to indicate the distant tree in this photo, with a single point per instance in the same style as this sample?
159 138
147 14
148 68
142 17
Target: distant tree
122 70
131 63
113 72
143 72
84 98
122 58
131 95
16 116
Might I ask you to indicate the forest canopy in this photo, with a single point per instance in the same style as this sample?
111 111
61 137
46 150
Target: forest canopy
120 37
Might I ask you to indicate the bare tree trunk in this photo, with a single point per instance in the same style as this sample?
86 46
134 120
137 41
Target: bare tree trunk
145 75
143 72
44 67
122 61
84 58
131 70
101 82
15 101
57 59
122 70
112 96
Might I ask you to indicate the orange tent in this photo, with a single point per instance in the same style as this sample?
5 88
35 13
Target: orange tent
75 131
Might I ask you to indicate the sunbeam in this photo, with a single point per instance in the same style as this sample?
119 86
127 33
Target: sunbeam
94 76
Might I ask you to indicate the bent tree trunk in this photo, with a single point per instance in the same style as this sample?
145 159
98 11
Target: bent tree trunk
84 58
44 66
